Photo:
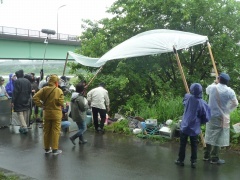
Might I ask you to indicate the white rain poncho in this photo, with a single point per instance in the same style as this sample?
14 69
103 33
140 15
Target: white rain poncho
222 100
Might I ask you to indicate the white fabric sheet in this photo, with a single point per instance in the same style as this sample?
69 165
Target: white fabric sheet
86 61
153 42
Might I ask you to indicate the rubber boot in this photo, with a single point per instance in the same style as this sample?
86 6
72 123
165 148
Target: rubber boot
81 140
72 138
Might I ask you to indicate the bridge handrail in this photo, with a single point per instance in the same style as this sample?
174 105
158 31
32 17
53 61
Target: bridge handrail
36 33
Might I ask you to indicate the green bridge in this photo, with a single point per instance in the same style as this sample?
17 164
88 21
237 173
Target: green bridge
28 44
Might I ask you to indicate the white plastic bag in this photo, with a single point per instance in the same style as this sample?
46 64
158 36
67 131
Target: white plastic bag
236 127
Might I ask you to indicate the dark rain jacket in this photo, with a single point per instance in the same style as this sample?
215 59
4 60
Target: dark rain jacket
21 93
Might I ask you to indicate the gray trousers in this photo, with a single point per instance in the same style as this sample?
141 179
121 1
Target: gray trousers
23 117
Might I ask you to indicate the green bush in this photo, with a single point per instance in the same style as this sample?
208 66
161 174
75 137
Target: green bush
163 108
153 137
5 177
119 127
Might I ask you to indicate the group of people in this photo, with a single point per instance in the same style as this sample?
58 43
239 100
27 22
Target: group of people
50 98
19 89
216 115
9 91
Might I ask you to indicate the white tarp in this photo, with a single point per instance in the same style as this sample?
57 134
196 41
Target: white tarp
86 61
153 42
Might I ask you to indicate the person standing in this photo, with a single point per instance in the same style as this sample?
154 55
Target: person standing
84 83
42 83
21 100
79 106
51 99
222 101
10 85
35 89
196 112
65 124
99 100
3 93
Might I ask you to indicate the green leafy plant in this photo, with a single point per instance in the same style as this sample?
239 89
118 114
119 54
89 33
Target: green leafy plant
163 108
6 177
119 127
153 137
235 118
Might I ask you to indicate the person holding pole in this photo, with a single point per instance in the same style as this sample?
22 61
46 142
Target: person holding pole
196 112
222 101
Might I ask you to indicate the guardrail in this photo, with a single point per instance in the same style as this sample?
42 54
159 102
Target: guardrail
36 33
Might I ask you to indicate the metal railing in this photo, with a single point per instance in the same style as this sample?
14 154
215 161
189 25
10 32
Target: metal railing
36 33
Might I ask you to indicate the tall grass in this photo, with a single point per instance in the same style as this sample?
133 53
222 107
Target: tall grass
163 109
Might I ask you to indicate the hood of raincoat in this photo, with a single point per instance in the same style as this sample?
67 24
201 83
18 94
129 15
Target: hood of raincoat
74 95
53 79
10 77
196 90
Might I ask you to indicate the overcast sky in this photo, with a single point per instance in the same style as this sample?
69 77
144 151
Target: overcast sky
42 14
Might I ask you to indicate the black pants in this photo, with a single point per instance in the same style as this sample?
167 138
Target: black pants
182 149
102 113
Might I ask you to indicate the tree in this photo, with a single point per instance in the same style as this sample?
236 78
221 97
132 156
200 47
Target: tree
158 75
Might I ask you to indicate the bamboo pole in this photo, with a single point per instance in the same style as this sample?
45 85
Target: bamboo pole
98 71
46 42
181 70
186 86
214 66
213 61
65 63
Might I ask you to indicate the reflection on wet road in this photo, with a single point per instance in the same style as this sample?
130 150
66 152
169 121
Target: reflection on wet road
105 157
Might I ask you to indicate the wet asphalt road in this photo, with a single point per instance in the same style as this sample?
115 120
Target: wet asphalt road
106 157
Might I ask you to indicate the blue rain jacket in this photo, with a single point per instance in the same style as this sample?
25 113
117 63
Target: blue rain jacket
196 111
